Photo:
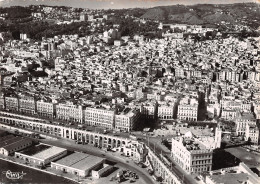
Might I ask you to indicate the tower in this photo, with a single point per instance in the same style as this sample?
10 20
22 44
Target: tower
218 134
82 17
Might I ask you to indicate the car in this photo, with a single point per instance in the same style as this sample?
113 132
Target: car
197 178
103 155
200 177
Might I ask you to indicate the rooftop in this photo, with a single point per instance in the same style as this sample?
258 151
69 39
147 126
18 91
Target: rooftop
16 142
35 149
80 161
7 140
194 144
230 178
50 152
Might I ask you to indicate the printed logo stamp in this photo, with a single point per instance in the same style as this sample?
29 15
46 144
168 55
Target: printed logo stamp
14 175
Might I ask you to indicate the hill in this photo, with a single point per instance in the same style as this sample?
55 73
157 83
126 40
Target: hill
239 13
154 14
188 18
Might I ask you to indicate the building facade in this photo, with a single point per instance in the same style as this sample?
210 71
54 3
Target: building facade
188 109
252 133
99 117
190 156
127 119
27 105
45 109
165 112
69 112
149 110
12 103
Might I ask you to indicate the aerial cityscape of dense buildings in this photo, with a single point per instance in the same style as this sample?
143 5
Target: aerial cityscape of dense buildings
128 94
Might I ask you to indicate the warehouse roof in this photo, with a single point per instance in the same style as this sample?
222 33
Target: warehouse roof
80 161
16 143
48 153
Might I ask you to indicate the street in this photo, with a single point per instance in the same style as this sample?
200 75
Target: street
155 145
153 142
70 145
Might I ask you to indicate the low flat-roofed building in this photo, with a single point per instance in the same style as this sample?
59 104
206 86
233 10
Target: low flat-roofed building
41 154
104 170
78 163
9 144
232 175
6 138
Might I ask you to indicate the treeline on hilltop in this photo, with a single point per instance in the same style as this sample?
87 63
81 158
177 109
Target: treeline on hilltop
16 12
38 29
19 20
130 27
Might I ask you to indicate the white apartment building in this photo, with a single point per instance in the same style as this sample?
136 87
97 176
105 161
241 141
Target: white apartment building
244 120
165 111
257 109
229 114
257 113
188 109
27 105
213 110
99 117
190 155
46 109
149 110
2 102
59 64
12 103
171 97
252 133
127 119
231 103
246 106
228 74
69 112
155 96
179 72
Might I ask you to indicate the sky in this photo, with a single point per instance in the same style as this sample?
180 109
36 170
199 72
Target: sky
115 4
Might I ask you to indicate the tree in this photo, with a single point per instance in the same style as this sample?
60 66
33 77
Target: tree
249 140
177 30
